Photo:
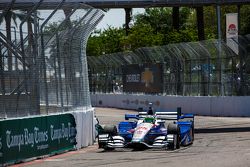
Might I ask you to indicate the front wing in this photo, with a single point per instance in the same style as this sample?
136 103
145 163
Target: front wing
108 141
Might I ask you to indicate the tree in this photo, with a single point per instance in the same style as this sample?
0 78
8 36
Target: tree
8 34
105 42
10 15
154 27
245 19
95 45
158 18
200 23
176 18
142 36
182 36
128 13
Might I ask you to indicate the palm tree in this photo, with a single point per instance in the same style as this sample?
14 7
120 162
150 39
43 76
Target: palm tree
9 16
128 13
69 67
30 21
175 17
200 23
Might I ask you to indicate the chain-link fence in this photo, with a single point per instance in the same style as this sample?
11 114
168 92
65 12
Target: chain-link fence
206 68
44 68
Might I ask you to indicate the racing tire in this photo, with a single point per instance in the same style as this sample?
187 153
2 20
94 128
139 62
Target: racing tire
139 148
192 133
174 145
175 130
110 129
108 148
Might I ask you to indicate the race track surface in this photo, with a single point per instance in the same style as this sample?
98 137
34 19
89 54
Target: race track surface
219 142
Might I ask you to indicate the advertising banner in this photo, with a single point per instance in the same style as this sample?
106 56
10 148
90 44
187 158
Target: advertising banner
232 31
33 137
145 78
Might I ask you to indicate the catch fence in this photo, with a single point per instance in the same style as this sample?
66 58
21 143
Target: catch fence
205 68
43 68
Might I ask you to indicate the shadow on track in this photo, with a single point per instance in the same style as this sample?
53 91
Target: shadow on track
223 130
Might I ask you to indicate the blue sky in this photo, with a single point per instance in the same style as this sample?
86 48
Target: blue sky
113 18
116 18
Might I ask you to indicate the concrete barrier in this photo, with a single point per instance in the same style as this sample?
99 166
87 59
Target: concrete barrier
32 137
238 106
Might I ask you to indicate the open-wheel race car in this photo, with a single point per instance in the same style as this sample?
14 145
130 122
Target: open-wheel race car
149 130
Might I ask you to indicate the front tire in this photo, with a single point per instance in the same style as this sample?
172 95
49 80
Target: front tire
174 129
110 129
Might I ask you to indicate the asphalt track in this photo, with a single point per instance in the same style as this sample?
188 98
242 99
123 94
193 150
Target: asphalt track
219 142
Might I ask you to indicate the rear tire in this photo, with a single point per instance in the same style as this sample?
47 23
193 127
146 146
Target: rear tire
192 134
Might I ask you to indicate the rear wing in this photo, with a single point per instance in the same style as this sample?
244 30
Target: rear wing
173 115
169 115
163 115
131 116
140 115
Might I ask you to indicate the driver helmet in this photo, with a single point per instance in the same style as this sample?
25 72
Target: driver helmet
150 109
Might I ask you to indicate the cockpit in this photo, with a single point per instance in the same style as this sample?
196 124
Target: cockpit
149 120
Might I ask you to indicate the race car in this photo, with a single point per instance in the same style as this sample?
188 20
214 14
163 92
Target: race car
155 130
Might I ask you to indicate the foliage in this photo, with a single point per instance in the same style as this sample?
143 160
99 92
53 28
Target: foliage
159 19
141 36
245 19
107 41
154 27
182 36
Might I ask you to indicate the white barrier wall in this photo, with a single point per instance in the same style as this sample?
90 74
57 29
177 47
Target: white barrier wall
84 118
199 105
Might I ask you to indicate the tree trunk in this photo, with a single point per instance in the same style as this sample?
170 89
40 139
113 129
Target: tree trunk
67 12
68 62
201 37
8 34
128 13
175 18
2 73
30 41
200 23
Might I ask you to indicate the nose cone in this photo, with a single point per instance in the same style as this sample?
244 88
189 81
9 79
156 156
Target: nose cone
141 131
